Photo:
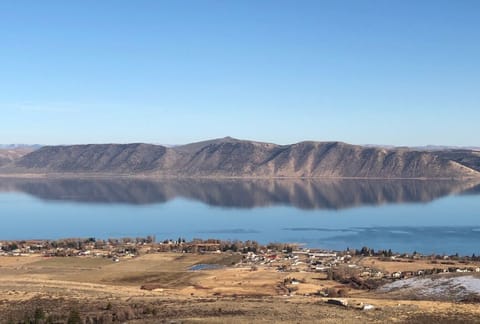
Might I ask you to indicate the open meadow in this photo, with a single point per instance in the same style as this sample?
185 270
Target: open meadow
160 287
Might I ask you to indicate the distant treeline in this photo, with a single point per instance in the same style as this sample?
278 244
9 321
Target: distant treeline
200 245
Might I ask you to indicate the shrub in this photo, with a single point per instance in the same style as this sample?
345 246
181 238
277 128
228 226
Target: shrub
74 317
343 292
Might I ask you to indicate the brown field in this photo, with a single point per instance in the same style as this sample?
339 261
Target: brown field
412 265
102 291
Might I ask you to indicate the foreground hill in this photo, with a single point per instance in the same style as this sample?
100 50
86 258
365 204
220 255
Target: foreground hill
230 157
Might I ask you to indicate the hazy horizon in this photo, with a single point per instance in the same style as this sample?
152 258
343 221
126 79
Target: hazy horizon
2 145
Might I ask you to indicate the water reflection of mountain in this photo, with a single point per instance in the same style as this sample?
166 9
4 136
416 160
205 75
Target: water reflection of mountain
305 194
474 190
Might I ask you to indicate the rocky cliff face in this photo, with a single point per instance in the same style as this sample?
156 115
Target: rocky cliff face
235 158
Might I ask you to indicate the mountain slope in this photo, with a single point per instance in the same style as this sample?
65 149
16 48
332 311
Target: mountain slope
11 153
469 158
334 159
230 157
96 158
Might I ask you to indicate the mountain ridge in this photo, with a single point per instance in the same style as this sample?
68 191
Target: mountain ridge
230 157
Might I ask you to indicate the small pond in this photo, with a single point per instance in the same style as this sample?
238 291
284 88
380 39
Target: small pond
203 266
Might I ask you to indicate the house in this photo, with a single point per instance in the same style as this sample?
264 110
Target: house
338 302
321 268
378 274
271 257
397 275
322 255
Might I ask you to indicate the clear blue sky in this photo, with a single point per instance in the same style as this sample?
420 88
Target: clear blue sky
402 72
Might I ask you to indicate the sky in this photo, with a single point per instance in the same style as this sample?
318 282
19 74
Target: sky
399 72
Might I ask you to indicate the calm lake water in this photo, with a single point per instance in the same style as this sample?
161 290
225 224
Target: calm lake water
405 216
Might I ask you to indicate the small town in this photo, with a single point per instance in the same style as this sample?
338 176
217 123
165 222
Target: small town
360 269
128 279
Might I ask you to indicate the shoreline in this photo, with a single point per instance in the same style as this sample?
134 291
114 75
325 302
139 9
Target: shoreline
87 175
181 243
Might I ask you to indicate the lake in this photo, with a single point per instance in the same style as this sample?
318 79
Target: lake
405 216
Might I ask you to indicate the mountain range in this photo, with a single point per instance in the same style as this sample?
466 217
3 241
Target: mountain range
229 157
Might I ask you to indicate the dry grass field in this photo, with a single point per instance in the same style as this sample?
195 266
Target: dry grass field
97 290
411 265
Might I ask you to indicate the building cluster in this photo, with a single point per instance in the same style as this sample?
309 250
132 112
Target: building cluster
342 266
129 247
110 248
311 260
